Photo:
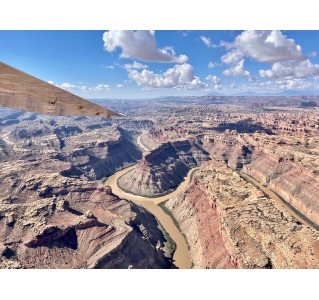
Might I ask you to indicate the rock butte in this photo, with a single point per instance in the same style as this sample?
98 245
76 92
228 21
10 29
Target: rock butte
163 169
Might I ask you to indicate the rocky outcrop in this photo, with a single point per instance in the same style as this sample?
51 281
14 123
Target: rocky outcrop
93 149
229 223
92 229
201 225
297 185
54 214
229 150
100 161
163 169
153 138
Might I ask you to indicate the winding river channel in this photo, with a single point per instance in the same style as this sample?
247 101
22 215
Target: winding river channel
181 256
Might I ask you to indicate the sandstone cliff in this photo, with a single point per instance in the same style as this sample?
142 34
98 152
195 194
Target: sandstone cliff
164 168
94 149
231 152
229 223
101 158
53 214
87 227
297 185
294 182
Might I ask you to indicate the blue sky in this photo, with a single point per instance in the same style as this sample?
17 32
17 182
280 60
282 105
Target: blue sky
146 64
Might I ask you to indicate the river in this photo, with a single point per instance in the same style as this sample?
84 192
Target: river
141 145
181 256
292 211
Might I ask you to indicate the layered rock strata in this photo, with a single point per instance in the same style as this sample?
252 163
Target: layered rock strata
163 169
229 223
93 149
88 227
54 214
297 185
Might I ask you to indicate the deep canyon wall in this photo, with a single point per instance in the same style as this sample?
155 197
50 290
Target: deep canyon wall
164 168
231 224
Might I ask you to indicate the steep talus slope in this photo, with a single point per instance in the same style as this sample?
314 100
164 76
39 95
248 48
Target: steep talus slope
230 223
164 168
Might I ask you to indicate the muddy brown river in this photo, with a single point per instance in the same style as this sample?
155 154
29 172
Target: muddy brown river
181 256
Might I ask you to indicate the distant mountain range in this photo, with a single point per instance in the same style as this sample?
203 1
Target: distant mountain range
283 93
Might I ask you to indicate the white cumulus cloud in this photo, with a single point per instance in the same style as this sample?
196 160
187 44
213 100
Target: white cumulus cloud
290 70
269 46
140 44
211 65
271 86
207 41
215 81
293 84
264 46
237 70
97 88
67 86
119 85
179 76
101 88
233 56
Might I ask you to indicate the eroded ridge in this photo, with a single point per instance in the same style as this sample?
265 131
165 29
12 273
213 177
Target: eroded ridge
229 223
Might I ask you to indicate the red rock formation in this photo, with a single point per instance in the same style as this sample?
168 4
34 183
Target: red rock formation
229 223
199 220
93 229
298 186
163 169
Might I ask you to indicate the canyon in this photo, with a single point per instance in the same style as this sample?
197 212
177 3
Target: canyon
54 213
235 177
238 226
